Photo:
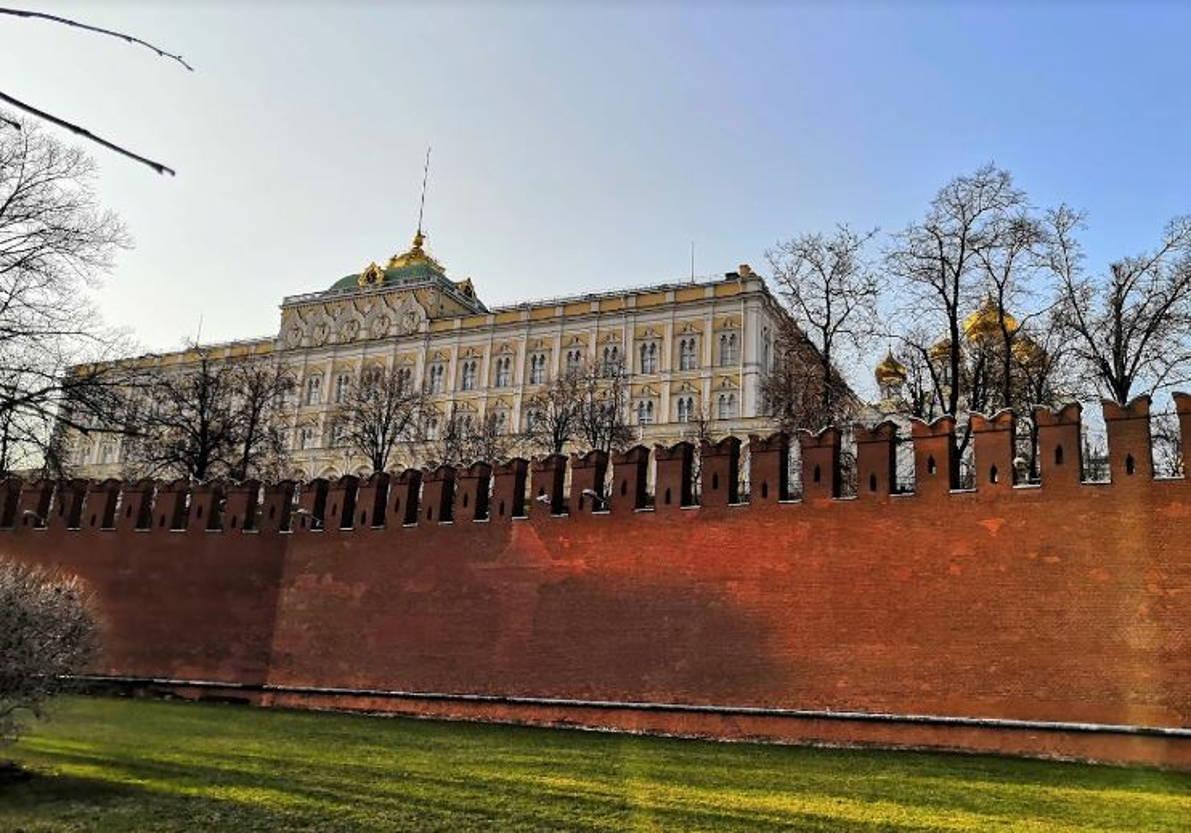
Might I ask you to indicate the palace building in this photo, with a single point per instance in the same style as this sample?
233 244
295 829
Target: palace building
692 351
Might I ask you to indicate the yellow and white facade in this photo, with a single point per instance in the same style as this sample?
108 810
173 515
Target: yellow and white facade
691 350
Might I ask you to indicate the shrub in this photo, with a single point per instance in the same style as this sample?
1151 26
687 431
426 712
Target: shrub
47 631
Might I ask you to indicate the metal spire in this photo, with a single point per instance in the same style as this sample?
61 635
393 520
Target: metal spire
425 177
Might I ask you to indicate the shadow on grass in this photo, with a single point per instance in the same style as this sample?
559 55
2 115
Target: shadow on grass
165 797
174 767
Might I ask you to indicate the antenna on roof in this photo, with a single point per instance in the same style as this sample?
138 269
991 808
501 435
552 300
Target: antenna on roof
425 177
692 261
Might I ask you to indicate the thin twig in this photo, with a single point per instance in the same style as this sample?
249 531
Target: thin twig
68 22
9 122
82 131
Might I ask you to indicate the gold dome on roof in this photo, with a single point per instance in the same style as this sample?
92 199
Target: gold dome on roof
940 350
985 322
414 256
1028 351
890 371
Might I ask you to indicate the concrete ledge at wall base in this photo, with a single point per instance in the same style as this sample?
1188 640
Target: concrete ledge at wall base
1156 746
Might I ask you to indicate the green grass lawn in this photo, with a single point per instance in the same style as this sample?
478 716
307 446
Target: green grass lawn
107 764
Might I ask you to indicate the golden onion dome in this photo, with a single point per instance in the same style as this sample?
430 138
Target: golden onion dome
890 371
986 321
940 350
1027 351
414 256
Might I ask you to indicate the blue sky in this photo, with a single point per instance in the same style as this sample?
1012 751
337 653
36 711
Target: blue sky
584 147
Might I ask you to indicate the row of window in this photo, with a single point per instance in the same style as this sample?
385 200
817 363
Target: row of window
685 411
688 359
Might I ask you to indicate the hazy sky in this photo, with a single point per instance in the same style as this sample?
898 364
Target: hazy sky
579 148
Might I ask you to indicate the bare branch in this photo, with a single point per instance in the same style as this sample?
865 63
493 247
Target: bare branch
65 21
82 131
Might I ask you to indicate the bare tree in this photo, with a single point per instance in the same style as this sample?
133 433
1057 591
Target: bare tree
944 262
55 244
47 632
830 290
553 414
260 389
1009 273
184 422
463 439
1132 326
799 390
603 408
380 411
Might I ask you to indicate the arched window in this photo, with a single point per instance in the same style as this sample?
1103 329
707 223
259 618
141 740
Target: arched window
727 406
335 435
644 412
611 359
686 354
686 408
432 428
404 377
649 357
504 374
728 349
341 384
574 360
468 381
435 375
314 390
305 437
537 368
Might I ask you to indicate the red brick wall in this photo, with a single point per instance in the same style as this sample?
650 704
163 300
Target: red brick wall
188 605
1066 602
1021 606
